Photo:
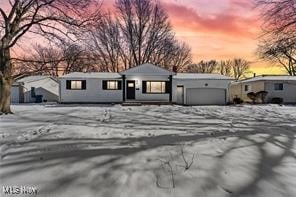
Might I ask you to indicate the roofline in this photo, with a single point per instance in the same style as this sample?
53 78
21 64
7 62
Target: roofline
65 76
203 79
214 74
264 75
18 83
90 77
45 76
173 73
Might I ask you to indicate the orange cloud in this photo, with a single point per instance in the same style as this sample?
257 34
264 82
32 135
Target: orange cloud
220 29
183 17
216 29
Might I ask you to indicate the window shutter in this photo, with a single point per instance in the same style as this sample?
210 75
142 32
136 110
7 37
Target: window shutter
83 84
119 85
104 85
167 87
144 86
68 85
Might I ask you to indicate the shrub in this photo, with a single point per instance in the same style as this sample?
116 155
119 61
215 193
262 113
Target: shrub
252 96
262 95
237 100
277 100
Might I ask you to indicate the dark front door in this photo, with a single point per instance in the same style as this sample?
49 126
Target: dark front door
131 89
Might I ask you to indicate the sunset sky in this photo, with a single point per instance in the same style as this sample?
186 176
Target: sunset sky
217 29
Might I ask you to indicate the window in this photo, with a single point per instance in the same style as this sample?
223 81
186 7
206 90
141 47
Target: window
247 88
111 85
278 86
76 85
131 85
156 87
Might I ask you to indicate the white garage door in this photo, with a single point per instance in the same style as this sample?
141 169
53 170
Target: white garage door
205 96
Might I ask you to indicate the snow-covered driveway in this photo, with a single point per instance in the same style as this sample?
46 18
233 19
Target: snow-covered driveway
91 150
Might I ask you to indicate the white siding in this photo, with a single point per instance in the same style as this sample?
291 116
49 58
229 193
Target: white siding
148 97
237 90
196 83
15 94
93 93
46 87
288 93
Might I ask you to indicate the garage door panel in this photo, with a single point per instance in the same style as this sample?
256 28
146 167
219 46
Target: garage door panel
205 96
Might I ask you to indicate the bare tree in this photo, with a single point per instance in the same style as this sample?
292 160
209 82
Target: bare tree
278 39
225 67
75 59
280 51
279 16
55 60
147 35
175 54
51 18
139 33
44 60
204 67
240 68
237 68
106 44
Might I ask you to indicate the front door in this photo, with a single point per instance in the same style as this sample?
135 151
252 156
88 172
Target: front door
131 89
180 95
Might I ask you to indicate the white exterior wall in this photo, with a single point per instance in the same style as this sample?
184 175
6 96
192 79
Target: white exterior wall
199 83
238 90
15 94
46 95
288 93
93 93
148 97
47 87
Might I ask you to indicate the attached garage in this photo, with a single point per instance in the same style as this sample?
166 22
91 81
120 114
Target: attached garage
201 89
205 96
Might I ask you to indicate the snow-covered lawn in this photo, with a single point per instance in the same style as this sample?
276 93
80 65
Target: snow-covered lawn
115 151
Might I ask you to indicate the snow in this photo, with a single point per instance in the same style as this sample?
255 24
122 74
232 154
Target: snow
147 70
98 75
30 79
97 150
271 78
210 76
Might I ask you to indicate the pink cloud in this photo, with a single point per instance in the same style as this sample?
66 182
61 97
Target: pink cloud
227 21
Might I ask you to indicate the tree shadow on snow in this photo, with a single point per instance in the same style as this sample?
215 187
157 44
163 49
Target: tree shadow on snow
106 153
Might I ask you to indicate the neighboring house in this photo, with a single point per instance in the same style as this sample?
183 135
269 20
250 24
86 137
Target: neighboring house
145 83
28 88
279 86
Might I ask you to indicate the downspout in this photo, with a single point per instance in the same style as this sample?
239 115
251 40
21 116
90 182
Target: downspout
171 88
123 88
60 91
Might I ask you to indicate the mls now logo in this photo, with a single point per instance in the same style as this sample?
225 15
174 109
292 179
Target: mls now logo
29 190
